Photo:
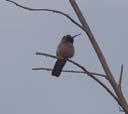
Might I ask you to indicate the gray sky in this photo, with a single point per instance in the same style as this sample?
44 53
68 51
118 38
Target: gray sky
23 91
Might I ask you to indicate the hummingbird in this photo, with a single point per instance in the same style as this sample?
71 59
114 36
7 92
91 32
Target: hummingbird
64 50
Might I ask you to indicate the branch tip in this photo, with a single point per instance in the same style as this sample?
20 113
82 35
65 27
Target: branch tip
121 76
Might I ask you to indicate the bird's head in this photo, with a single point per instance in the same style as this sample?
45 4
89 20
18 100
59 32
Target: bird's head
69 38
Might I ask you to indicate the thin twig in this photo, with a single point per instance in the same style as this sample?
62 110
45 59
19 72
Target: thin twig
121 75
47 10
86 71
69 71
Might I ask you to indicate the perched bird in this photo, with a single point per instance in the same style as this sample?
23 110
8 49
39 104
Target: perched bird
65 50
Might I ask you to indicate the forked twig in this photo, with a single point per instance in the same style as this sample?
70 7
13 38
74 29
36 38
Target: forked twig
86 71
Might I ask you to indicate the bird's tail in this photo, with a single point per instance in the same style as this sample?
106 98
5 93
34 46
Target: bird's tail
58 67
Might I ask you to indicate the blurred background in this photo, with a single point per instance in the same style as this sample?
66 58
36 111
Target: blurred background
22 33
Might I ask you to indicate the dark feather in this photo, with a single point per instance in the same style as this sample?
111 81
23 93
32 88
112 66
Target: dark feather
58 67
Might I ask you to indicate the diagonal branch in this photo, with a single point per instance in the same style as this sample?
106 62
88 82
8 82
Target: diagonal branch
86 71
100 55
121 75
47 10
70 71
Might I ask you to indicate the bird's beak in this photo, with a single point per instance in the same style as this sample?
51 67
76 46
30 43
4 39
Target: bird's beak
76 35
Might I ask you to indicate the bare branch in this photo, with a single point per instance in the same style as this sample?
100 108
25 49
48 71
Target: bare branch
121 75
69 71
109 75
86 71
91 37
47 10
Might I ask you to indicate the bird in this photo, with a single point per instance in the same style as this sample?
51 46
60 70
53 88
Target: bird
64 50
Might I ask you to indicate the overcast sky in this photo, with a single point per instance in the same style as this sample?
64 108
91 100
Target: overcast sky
22 33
